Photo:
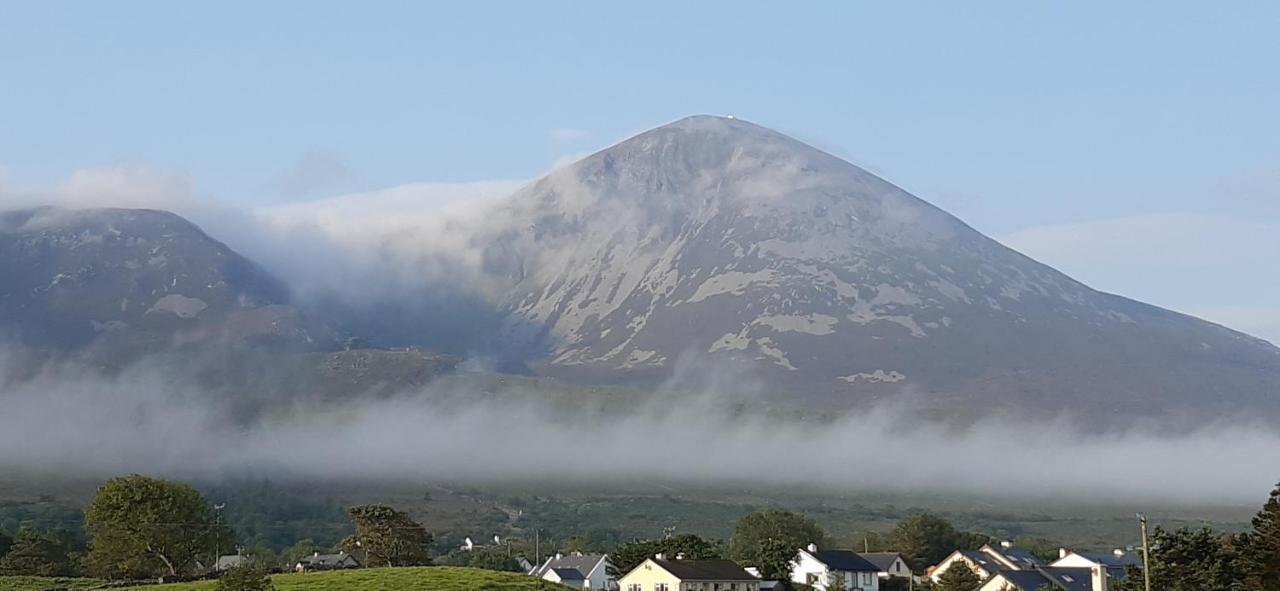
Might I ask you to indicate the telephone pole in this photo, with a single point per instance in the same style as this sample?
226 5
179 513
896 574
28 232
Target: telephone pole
1146 554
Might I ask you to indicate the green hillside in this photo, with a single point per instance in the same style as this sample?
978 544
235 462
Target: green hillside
436 578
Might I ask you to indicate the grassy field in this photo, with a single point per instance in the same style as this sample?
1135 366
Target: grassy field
44 583
439 578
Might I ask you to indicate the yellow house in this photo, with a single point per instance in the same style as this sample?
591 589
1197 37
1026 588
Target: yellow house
658 574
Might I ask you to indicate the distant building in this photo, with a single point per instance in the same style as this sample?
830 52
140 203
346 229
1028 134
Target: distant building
318 561
844 569
1048 578
988 561
231 561
591 571
890 564
1115 562
469 543
661 574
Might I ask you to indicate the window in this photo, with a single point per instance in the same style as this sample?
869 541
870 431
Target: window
633 587
660 587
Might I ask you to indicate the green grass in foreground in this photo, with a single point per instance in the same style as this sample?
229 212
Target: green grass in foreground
43 583
433 578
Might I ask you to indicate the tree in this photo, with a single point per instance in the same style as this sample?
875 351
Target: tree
958 577
773 557
387 537
245 578
629 555
144 527
37 555
5 543
485 558
1259 549
758 537
298 550
1186 560
924 539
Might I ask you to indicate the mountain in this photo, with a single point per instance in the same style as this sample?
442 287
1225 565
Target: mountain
131 279
719 241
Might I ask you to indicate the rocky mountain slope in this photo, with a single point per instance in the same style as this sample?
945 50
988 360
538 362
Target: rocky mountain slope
131 278
718 240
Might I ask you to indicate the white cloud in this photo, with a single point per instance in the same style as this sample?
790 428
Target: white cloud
110 186
1191 262
316 172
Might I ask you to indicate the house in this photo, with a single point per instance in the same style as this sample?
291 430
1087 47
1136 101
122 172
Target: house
525 565
890 564
469 543
1115 562
662 574
988 561
318 561
1052 578
591 571
843 569
230 561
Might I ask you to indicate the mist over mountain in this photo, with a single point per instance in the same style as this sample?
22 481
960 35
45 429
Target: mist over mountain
717 238
707 242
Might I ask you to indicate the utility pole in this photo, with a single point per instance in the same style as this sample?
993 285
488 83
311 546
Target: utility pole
217 534
1146 554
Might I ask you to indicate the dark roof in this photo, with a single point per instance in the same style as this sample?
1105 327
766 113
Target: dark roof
327 559
882 560
705 570
1070 579
984 560
844 560
1022 558
584 563
569 574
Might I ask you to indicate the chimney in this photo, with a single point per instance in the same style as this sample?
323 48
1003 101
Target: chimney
812 548
559 556
315 554
1063 552
1098 578
1006 544
679 555
1118 552
660 556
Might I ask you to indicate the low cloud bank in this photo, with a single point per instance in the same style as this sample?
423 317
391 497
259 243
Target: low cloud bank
65 418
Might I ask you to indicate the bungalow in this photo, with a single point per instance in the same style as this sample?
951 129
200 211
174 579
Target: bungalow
988 560
577 570
318 561
1115 562
230 561
890 564
842 569
1051 578
662 574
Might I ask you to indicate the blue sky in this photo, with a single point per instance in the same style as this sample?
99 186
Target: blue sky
1135 145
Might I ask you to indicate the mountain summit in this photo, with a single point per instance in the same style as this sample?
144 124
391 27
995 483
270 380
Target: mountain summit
717 238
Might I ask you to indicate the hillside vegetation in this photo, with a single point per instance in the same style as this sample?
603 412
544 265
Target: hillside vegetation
435 578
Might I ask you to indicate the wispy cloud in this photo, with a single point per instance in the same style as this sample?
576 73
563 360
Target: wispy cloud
315 173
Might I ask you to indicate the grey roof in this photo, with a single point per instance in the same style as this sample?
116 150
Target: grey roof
1110 559
984 560
569 574
327 559
230 561
583 563
705 570
1067 579
844 560
882 560
1022 558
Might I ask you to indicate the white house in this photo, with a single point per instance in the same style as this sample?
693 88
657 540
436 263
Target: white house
821 569
890 564
1056 578
577 570
1115 562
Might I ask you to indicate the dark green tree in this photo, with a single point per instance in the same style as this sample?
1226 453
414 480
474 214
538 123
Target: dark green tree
5 542
759 534
485 558
387 537
925 539
629 555
958 577
1259 549
142 527
245 578
298 550
1187 560
773 557
37 555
